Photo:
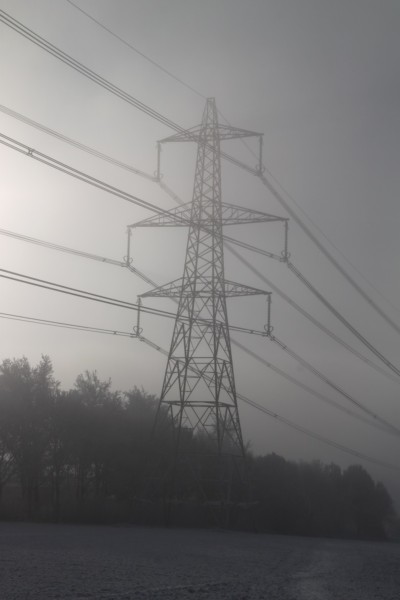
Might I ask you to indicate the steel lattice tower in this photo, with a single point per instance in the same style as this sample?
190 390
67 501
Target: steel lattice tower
198 392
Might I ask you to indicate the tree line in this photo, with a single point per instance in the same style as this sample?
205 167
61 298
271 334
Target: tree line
82 455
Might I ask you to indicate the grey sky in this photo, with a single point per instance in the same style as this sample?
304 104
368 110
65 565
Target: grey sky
320 79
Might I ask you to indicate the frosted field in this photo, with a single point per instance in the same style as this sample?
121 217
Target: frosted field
63 561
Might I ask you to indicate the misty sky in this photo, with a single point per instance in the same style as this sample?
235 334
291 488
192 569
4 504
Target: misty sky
321 80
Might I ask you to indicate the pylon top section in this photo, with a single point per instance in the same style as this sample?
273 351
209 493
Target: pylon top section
207 136
198 134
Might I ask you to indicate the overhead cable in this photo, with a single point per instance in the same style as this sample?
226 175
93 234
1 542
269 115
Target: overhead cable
98 79
131 47
153 283
50 48
123 304
323 234
297 306
226 238
198 93
106 187
316 436
326 253
60 248
309 390
290 423
66 249
63 325
345 322
275 416
87 255
117 163
310 317
64 168
75 143
79 293
337 388
272 188
54 51
138 201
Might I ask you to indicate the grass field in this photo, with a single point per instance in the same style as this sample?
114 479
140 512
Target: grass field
48 562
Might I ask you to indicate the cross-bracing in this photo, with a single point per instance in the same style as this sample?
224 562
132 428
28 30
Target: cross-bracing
198 395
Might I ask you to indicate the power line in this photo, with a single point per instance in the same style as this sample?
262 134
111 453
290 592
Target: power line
241 346
81 68
79 293
50 48
308 316
18 146
105 187
385 424
118 92
304 312
284 203
311 391
292 199
63 167
327 254
291 424
63 289
337 388
275 416
23 119
87 295
195 91
60 248
316 436
153 62
114 262
123 304
120 164
66 249
227 238
49 161
62 324
90 256
345 322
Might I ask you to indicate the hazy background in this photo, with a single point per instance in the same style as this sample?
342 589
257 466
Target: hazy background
321 80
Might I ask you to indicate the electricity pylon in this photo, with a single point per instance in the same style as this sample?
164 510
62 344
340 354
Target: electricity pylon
198 392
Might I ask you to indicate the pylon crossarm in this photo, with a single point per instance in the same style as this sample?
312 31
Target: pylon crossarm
207 324
232 289
170 290
237 215
223 132
182 216
203 289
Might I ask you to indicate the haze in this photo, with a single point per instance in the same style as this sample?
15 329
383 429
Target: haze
320 79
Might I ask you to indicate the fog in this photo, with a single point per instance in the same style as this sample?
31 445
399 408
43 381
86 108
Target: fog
320 80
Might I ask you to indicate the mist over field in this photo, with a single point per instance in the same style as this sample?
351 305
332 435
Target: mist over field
199 309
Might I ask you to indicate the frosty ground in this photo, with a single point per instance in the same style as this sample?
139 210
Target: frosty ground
49 562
